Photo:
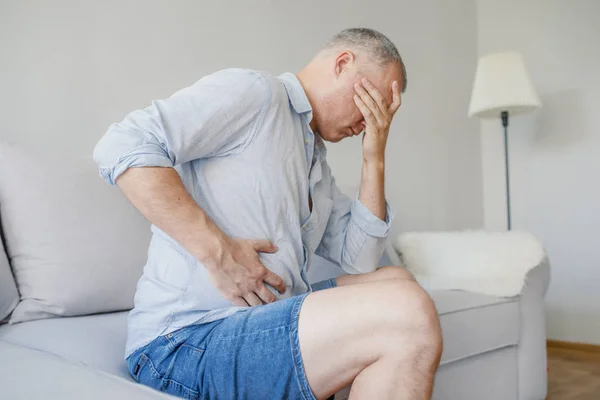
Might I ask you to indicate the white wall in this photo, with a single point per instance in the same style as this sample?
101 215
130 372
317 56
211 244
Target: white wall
555 154
70 68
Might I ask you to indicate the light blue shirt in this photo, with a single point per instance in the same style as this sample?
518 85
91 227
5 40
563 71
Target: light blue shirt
242 144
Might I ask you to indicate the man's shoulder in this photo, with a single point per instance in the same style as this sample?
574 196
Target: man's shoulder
244 80
242 76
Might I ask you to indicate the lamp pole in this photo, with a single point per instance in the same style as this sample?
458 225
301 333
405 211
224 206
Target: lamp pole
504 116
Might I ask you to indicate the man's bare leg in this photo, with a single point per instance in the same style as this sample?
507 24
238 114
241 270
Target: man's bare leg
382 273
380 331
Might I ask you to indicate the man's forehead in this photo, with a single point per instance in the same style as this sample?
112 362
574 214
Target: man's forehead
383 79
385 88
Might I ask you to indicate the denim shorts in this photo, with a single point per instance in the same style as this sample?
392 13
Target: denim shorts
253 354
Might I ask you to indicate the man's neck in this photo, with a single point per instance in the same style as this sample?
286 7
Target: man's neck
305 78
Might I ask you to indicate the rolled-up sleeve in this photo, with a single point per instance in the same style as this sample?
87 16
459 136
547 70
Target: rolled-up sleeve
216 116
354 238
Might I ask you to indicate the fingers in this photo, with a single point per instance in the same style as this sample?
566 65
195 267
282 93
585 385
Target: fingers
275 281
252 299
375 94
259 297
371 104
240 302
265 295
376 102
364 110
264 246
395 98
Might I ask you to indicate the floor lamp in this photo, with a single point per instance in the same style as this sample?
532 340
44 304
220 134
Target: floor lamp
502 88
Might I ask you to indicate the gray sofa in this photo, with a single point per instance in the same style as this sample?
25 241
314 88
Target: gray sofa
494 348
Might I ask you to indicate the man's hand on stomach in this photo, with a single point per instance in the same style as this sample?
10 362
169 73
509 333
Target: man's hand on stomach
236 271
233 264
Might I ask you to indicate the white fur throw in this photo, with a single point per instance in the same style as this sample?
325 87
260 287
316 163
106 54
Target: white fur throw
483 262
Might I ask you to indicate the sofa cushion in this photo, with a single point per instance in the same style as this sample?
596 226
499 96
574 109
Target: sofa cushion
97 341
9 297
76 245
475 323
30 374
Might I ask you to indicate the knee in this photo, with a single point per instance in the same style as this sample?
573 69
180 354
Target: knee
414 322
395 272
428 332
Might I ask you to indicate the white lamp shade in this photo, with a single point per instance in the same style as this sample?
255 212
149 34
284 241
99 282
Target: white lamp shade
502 84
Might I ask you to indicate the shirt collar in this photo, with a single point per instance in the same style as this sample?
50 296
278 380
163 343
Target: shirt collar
296 93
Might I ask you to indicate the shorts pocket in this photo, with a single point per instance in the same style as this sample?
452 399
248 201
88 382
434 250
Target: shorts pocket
137 367
177 374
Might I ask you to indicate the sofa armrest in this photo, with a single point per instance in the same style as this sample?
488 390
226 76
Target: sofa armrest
532 361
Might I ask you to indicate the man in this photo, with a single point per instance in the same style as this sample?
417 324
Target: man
233 176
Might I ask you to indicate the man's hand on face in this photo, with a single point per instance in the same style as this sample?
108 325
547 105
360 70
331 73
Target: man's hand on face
378 116
238 274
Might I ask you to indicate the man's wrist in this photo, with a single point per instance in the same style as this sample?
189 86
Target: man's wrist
212 252
375 163
207 242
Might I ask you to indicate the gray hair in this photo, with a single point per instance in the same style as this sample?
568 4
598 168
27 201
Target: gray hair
380 48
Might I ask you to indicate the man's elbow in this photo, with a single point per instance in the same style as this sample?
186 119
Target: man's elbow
106 159
367 260
362 265
102 151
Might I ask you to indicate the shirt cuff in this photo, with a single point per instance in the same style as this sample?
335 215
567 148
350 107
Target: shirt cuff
135 160
369 222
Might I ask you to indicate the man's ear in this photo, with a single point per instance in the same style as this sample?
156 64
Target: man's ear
343 61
